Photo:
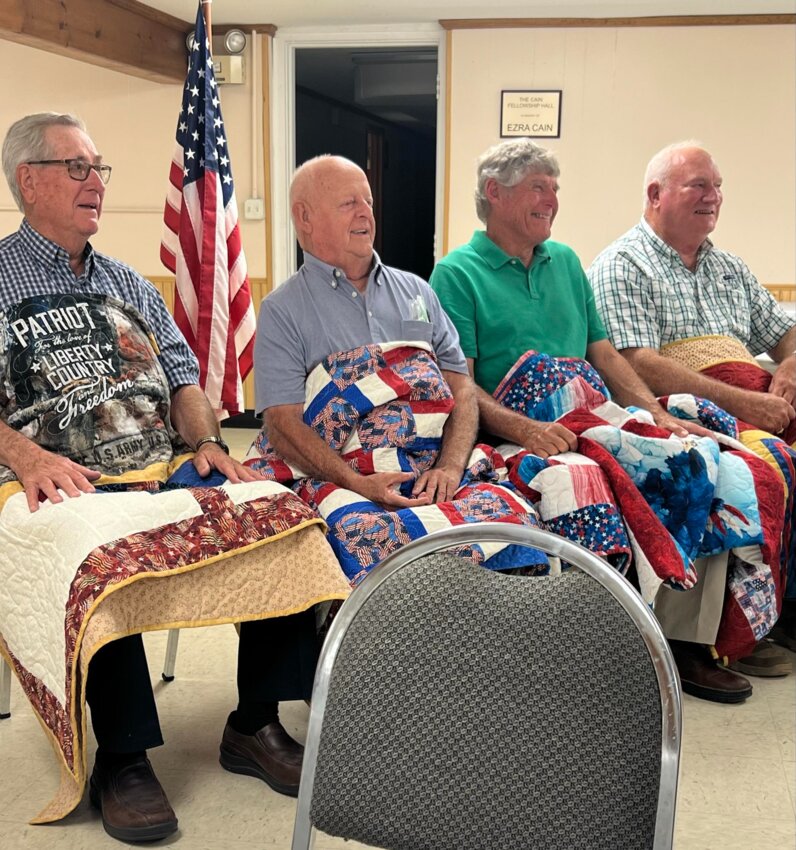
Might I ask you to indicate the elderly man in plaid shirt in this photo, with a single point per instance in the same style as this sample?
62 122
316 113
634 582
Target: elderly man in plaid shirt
57 179
689 318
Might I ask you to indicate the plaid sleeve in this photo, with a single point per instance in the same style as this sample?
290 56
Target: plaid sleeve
768 321
624 301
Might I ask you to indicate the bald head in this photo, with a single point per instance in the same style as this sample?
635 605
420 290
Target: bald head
331 205
316 176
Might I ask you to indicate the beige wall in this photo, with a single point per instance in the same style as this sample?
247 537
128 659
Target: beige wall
133 123
627 92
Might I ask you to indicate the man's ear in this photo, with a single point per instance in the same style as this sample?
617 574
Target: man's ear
492 190
26 183
301 217
653 193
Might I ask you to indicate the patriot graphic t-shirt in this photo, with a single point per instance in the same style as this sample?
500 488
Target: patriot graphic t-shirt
79 376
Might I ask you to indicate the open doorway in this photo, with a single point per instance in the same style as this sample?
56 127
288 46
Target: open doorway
378 108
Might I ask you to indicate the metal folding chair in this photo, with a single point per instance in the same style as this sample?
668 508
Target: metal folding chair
458 708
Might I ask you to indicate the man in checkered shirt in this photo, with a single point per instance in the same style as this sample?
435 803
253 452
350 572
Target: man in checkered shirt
57 179
664 282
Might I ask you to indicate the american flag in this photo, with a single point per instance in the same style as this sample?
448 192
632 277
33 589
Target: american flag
201 240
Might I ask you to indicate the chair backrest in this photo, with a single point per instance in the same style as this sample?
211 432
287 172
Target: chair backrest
462 709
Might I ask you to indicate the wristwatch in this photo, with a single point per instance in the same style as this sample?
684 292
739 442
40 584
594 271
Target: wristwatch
211 439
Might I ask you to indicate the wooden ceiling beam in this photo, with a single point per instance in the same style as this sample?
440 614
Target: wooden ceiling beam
123 35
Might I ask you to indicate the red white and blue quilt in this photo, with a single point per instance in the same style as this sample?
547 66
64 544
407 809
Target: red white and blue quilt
638 494
383 408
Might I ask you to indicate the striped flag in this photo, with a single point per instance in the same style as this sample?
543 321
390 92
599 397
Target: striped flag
201 240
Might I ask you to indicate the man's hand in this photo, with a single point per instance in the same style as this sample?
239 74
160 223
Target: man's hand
211 456
382 488
438 483
783 381
546 439
767 411
679 427
43 474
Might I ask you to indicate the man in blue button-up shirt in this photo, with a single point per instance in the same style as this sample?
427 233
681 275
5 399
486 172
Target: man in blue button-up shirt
343 297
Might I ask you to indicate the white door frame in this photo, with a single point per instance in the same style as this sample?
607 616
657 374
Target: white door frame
283 115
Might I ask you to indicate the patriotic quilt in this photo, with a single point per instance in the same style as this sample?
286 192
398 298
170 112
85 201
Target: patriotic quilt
383 408
635 493
725 359
155 547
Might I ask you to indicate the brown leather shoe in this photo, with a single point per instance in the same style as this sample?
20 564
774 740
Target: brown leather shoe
766 660
784 632
271 755
701 676
133 804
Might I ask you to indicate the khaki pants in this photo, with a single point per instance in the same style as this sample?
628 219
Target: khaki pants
694 615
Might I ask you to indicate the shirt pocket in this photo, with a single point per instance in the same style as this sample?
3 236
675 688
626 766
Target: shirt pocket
416 330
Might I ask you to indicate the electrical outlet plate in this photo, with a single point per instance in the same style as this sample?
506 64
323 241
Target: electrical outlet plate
254 209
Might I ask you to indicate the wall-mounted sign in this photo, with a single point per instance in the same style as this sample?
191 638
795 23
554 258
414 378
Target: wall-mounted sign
536 114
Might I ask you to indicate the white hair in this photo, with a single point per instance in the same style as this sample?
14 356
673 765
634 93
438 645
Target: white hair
25 142
659 168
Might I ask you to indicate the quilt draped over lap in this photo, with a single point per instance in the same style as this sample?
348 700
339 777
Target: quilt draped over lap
725 359
636 493
383 408
155 547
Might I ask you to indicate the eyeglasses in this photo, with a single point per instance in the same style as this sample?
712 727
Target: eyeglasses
78 169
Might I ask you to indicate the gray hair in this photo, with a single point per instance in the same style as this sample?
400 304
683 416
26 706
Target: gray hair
659 168
509 163
25 141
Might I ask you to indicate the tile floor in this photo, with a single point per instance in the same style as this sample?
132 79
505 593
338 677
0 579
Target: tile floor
737 783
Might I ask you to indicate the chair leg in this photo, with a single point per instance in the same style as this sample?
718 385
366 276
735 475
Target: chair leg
5 690
171 655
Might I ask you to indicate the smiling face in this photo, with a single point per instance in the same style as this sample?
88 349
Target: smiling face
521 216
64 210
683 207
333 214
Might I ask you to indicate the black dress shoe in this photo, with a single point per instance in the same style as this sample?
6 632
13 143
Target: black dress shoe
133 804
270 754
701 676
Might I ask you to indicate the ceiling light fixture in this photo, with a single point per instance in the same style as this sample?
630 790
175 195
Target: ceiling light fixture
235 41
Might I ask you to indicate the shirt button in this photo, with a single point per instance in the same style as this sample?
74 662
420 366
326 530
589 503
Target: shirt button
336 272
353 295
334 284
370 314
514 262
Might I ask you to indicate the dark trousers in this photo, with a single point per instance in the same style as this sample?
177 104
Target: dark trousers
276 662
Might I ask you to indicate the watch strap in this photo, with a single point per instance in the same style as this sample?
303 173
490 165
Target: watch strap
211 439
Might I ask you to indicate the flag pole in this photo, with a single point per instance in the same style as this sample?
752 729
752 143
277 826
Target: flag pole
208 25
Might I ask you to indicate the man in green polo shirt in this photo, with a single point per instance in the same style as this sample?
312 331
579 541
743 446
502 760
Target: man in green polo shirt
511 289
